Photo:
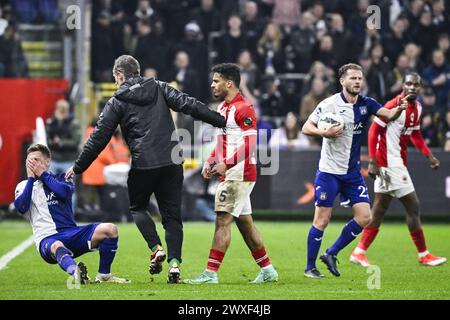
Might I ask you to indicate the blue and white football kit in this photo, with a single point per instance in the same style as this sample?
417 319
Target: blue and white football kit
339 172
47 203
340 165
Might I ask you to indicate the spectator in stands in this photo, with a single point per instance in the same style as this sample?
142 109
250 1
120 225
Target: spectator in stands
413 52
145 11
437 76
115 152
326 53
310 101
197 51
184 75
12 57
319 70
272 100
444 45
102 54
290 135
425 27
413 13
250 73
429 101
285 13
186 79
378 73
429 130
395 41
233 41
396 79
252 25
301 41
148 43
320 25
358 26
342 40
441 21
270 50
63 139
207 17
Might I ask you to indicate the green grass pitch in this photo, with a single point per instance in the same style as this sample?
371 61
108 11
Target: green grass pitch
29 277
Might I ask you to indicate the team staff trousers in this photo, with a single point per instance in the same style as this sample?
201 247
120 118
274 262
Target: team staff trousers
166 183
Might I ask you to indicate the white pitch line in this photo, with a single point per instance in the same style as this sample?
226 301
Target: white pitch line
4 260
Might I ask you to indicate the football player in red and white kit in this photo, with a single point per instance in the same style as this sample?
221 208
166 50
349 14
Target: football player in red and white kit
234 160
388 143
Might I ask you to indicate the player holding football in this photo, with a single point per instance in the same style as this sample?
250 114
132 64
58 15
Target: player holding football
234 160
46 200
388 143
339 165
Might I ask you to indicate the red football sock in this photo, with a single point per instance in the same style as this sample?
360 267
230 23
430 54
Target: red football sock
214 260
419 240
261 257
367 237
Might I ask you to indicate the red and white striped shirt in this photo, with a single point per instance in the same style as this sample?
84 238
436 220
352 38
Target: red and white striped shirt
236 145
388 141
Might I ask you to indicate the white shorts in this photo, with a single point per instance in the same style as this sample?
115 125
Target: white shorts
394 181
234 197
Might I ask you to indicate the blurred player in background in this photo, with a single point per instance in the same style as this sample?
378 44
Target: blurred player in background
388 146
46 200
340 166
234 160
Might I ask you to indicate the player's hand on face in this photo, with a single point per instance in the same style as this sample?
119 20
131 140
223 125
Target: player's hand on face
219 169
434 163
373 169
69 173
32 165
333 132
30 173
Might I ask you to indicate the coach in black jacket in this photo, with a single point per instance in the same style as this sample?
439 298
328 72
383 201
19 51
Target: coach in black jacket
141 107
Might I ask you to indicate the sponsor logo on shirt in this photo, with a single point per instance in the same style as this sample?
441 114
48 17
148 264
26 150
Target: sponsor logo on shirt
51 199
363 110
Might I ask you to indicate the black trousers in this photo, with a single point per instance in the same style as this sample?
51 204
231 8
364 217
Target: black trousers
166 183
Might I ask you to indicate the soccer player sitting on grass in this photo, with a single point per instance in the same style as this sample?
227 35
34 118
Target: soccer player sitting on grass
46 200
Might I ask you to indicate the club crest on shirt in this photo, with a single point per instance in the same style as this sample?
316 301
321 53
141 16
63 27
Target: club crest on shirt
363 110
323 196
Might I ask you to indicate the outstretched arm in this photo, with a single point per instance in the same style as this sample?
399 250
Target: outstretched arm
420 144
181 102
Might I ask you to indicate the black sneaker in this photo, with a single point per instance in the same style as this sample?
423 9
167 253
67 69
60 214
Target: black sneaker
174 274
330 261
313 274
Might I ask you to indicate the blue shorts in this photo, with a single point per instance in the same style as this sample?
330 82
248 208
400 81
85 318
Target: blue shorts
351 187
76 239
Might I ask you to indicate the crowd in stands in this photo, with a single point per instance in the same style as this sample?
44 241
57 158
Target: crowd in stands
289 50
270 39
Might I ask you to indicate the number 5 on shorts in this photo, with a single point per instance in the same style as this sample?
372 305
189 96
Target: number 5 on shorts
223 196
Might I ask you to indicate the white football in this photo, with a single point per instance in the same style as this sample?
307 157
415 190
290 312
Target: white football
329 119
